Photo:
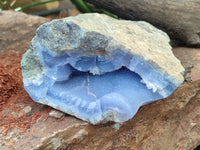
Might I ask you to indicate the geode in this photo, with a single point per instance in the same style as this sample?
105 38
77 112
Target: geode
98 68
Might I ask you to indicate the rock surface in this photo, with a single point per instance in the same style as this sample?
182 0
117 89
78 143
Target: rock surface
190 58
24 25
171 123
99 71
180 19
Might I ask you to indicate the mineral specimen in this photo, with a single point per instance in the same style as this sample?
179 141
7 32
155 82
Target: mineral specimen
99 69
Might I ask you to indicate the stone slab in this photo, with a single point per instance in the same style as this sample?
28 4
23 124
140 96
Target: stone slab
190 58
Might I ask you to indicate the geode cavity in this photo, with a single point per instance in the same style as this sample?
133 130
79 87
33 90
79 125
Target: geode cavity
99 69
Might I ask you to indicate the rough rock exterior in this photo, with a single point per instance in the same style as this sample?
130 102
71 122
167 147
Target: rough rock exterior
180 19
99 71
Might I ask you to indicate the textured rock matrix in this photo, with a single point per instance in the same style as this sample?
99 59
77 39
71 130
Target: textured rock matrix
99 69
181 18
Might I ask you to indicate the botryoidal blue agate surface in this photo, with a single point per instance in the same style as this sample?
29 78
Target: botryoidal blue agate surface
99 69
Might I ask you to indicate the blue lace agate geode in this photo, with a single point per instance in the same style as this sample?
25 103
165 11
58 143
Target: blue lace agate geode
99 69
